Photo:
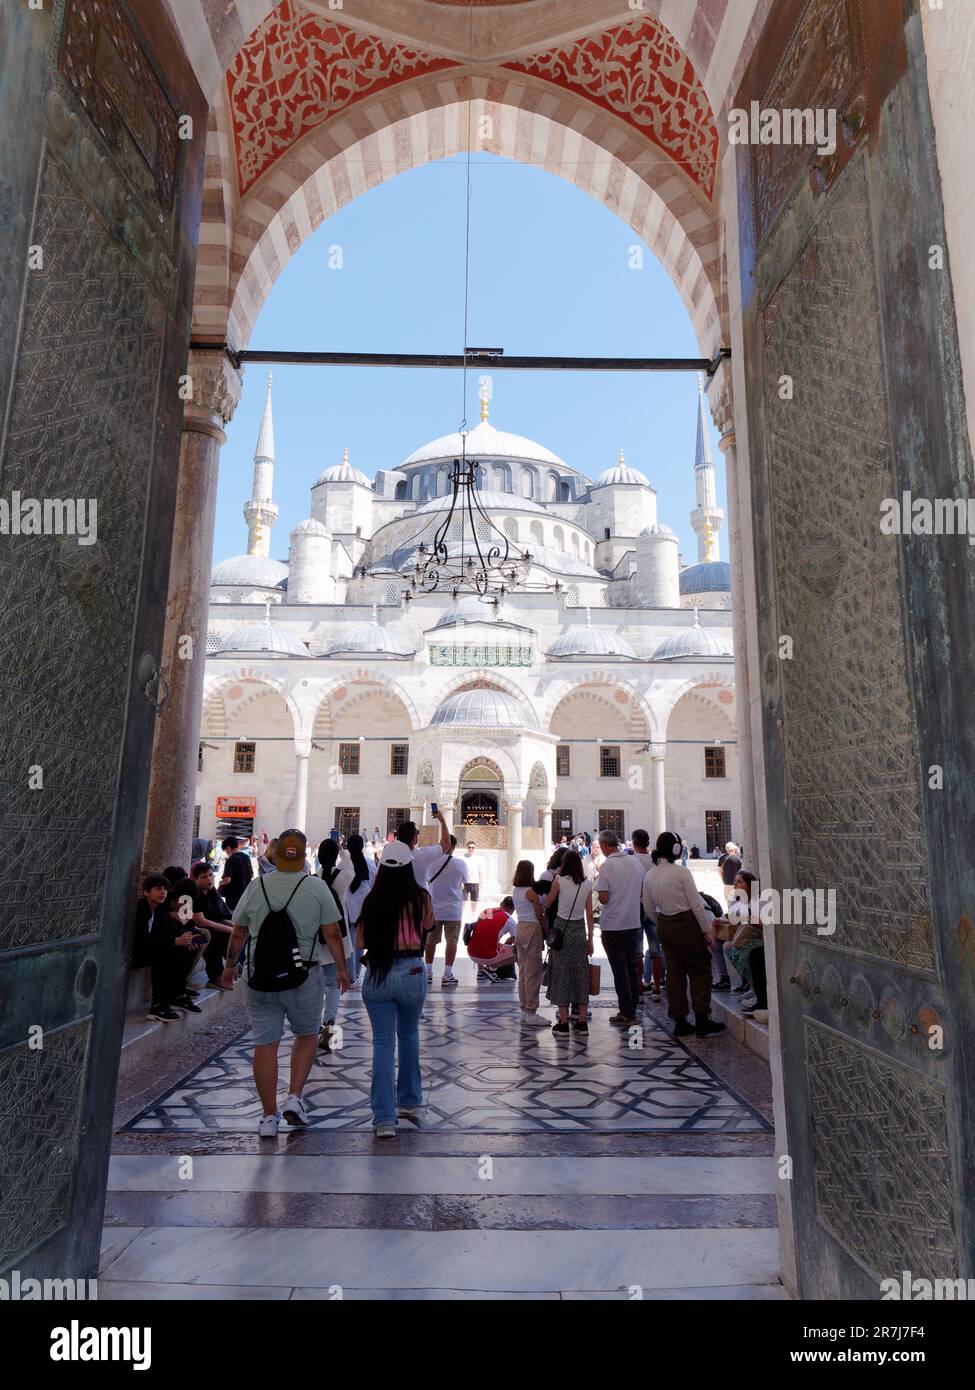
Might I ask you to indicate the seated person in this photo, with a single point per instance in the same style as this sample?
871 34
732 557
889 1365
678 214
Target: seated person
183 912
168 948
485 947
220 919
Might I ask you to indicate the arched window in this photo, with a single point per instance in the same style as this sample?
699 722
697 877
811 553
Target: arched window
511 528
401 491
588 553
415 487
529 483
552 488
575 544
558 536
537 534
501 478
443 481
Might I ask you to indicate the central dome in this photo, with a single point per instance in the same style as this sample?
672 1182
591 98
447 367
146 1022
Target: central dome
484 441
484 709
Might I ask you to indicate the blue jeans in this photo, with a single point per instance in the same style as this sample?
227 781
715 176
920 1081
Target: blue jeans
333 994
394 1009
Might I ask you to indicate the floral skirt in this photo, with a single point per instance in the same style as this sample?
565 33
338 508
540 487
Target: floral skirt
568 969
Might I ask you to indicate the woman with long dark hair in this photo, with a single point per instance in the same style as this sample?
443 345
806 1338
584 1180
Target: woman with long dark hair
396 916
671 898
363 877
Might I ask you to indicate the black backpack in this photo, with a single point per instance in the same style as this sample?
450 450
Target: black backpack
275 962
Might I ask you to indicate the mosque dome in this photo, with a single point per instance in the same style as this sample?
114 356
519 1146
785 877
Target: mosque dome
707 577
582 639
264 639
343 473
691 642
484 709
659 529
471 609
621 473
250 571
311 527
484 442
368 639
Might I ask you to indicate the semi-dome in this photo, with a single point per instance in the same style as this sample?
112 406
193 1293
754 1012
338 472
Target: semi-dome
659 529
692 642
263 638
372 639
471 609
311 527
343 473
581 639
621 473
250 572
709 576
484 442
484 709
490 500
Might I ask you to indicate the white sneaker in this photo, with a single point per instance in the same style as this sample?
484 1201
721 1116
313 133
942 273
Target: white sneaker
448 981
294 1112
533 1020
429 977
384 1131
268 1127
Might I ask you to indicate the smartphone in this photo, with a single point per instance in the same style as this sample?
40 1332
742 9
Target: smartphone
334 835
434 807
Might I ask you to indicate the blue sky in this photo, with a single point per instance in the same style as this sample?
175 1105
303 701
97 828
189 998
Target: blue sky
549 274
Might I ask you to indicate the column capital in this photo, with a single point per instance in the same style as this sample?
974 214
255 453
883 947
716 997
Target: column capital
722 402
302 747
216 390
658 751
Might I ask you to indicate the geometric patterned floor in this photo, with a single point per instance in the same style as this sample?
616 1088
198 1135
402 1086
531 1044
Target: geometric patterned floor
482 1073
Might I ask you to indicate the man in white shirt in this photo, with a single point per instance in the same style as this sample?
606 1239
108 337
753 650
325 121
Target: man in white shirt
427 857
472 877
653 965
619 887
446 885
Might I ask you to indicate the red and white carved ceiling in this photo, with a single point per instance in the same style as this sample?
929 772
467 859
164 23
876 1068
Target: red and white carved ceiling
297 70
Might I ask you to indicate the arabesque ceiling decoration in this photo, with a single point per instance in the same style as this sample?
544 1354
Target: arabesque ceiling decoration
295 71
639 72
298 69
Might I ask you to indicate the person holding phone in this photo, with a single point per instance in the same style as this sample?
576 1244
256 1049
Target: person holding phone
427 857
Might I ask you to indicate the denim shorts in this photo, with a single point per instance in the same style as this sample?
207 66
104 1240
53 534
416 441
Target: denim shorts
302 1007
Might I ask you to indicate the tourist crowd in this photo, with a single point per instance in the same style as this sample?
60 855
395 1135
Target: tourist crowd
299 930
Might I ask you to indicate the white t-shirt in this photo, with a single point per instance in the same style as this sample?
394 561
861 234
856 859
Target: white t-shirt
472 868
524 910
354 900
621 875
426 858
445 880
573 898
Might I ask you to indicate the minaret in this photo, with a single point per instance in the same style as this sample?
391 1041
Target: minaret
260 512
707 517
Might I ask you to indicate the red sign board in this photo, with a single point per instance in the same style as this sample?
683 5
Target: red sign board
237 807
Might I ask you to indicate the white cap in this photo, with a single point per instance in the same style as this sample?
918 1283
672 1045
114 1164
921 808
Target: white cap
395 854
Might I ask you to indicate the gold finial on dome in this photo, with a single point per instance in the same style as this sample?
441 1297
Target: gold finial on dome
345 455
621 460
485 414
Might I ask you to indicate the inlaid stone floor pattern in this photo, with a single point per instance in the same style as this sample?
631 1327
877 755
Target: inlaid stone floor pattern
483 1073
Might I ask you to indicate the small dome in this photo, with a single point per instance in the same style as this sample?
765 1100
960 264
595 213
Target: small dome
707 577
659 529
484 442
622 473
581 639
471 609
343 473
692 642
311 527
370 639
484 709
250 571
265 638
489 500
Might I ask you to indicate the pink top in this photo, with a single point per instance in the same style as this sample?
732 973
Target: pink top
408 935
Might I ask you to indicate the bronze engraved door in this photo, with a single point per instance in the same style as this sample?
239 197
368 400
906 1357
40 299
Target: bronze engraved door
853 396
100 197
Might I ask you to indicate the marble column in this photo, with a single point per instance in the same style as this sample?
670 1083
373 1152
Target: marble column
515 812
747 832
175 750
546 814
658 754
302 762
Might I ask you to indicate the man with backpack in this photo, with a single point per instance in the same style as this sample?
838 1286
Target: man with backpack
291 918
